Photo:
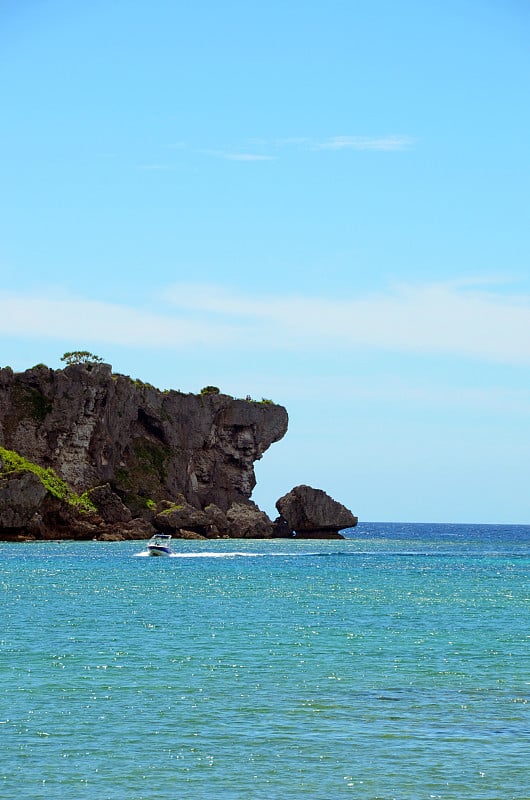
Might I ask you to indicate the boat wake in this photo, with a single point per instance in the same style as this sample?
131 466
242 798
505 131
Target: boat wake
212 554
233 554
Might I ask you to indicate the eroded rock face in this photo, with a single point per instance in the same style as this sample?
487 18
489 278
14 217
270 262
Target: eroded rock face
108 504
99 429
182 516
21 496
313 514
247 521
241 521
94 427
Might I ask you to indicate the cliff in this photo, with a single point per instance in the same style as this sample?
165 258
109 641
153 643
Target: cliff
145 450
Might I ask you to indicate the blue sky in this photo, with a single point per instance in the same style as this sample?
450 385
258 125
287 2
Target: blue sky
326 204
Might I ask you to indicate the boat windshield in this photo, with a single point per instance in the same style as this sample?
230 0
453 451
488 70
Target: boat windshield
162 539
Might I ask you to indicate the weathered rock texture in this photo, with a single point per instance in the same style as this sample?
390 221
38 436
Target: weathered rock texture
21 497
131 447
242 521
312 514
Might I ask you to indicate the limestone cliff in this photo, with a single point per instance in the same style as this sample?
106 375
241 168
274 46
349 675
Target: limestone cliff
94 428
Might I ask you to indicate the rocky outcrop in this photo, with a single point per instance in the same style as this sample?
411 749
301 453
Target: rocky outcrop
37 505
182 516
246 521
312 514
127 448
241 521
85 453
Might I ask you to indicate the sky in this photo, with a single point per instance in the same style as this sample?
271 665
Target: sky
325 204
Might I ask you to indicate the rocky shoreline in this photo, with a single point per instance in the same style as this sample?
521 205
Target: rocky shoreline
89 454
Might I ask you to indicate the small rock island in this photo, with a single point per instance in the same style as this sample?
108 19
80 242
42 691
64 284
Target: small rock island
86 453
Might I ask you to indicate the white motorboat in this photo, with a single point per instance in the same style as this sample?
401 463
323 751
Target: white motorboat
159 545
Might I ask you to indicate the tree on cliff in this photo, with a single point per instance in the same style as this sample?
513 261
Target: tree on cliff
81 357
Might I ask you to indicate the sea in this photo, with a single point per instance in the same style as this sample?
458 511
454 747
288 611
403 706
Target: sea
392 665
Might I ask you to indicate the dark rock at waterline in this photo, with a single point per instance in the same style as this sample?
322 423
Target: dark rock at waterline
247 521
281 529
313 514
241 521
182 515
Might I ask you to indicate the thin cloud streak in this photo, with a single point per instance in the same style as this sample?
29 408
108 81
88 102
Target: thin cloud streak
389 142
432 319
386 143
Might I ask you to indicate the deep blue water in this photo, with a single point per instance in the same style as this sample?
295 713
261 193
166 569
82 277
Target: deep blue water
394 664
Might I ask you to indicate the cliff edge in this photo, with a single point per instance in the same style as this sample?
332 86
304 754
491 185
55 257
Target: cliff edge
145 450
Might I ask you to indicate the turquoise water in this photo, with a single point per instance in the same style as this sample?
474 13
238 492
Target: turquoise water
391 665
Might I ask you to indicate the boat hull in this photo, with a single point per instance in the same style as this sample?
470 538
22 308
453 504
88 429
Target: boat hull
159 551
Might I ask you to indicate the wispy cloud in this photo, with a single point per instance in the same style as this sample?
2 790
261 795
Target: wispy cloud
93 320
271 149
387 143
444 319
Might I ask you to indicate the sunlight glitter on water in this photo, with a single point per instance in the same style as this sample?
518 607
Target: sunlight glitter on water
267 669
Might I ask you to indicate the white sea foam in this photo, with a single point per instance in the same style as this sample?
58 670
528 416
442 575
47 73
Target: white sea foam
229 554
211 554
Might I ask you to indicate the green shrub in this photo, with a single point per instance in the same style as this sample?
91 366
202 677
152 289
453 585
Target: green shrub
13 462
173 507
81 357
